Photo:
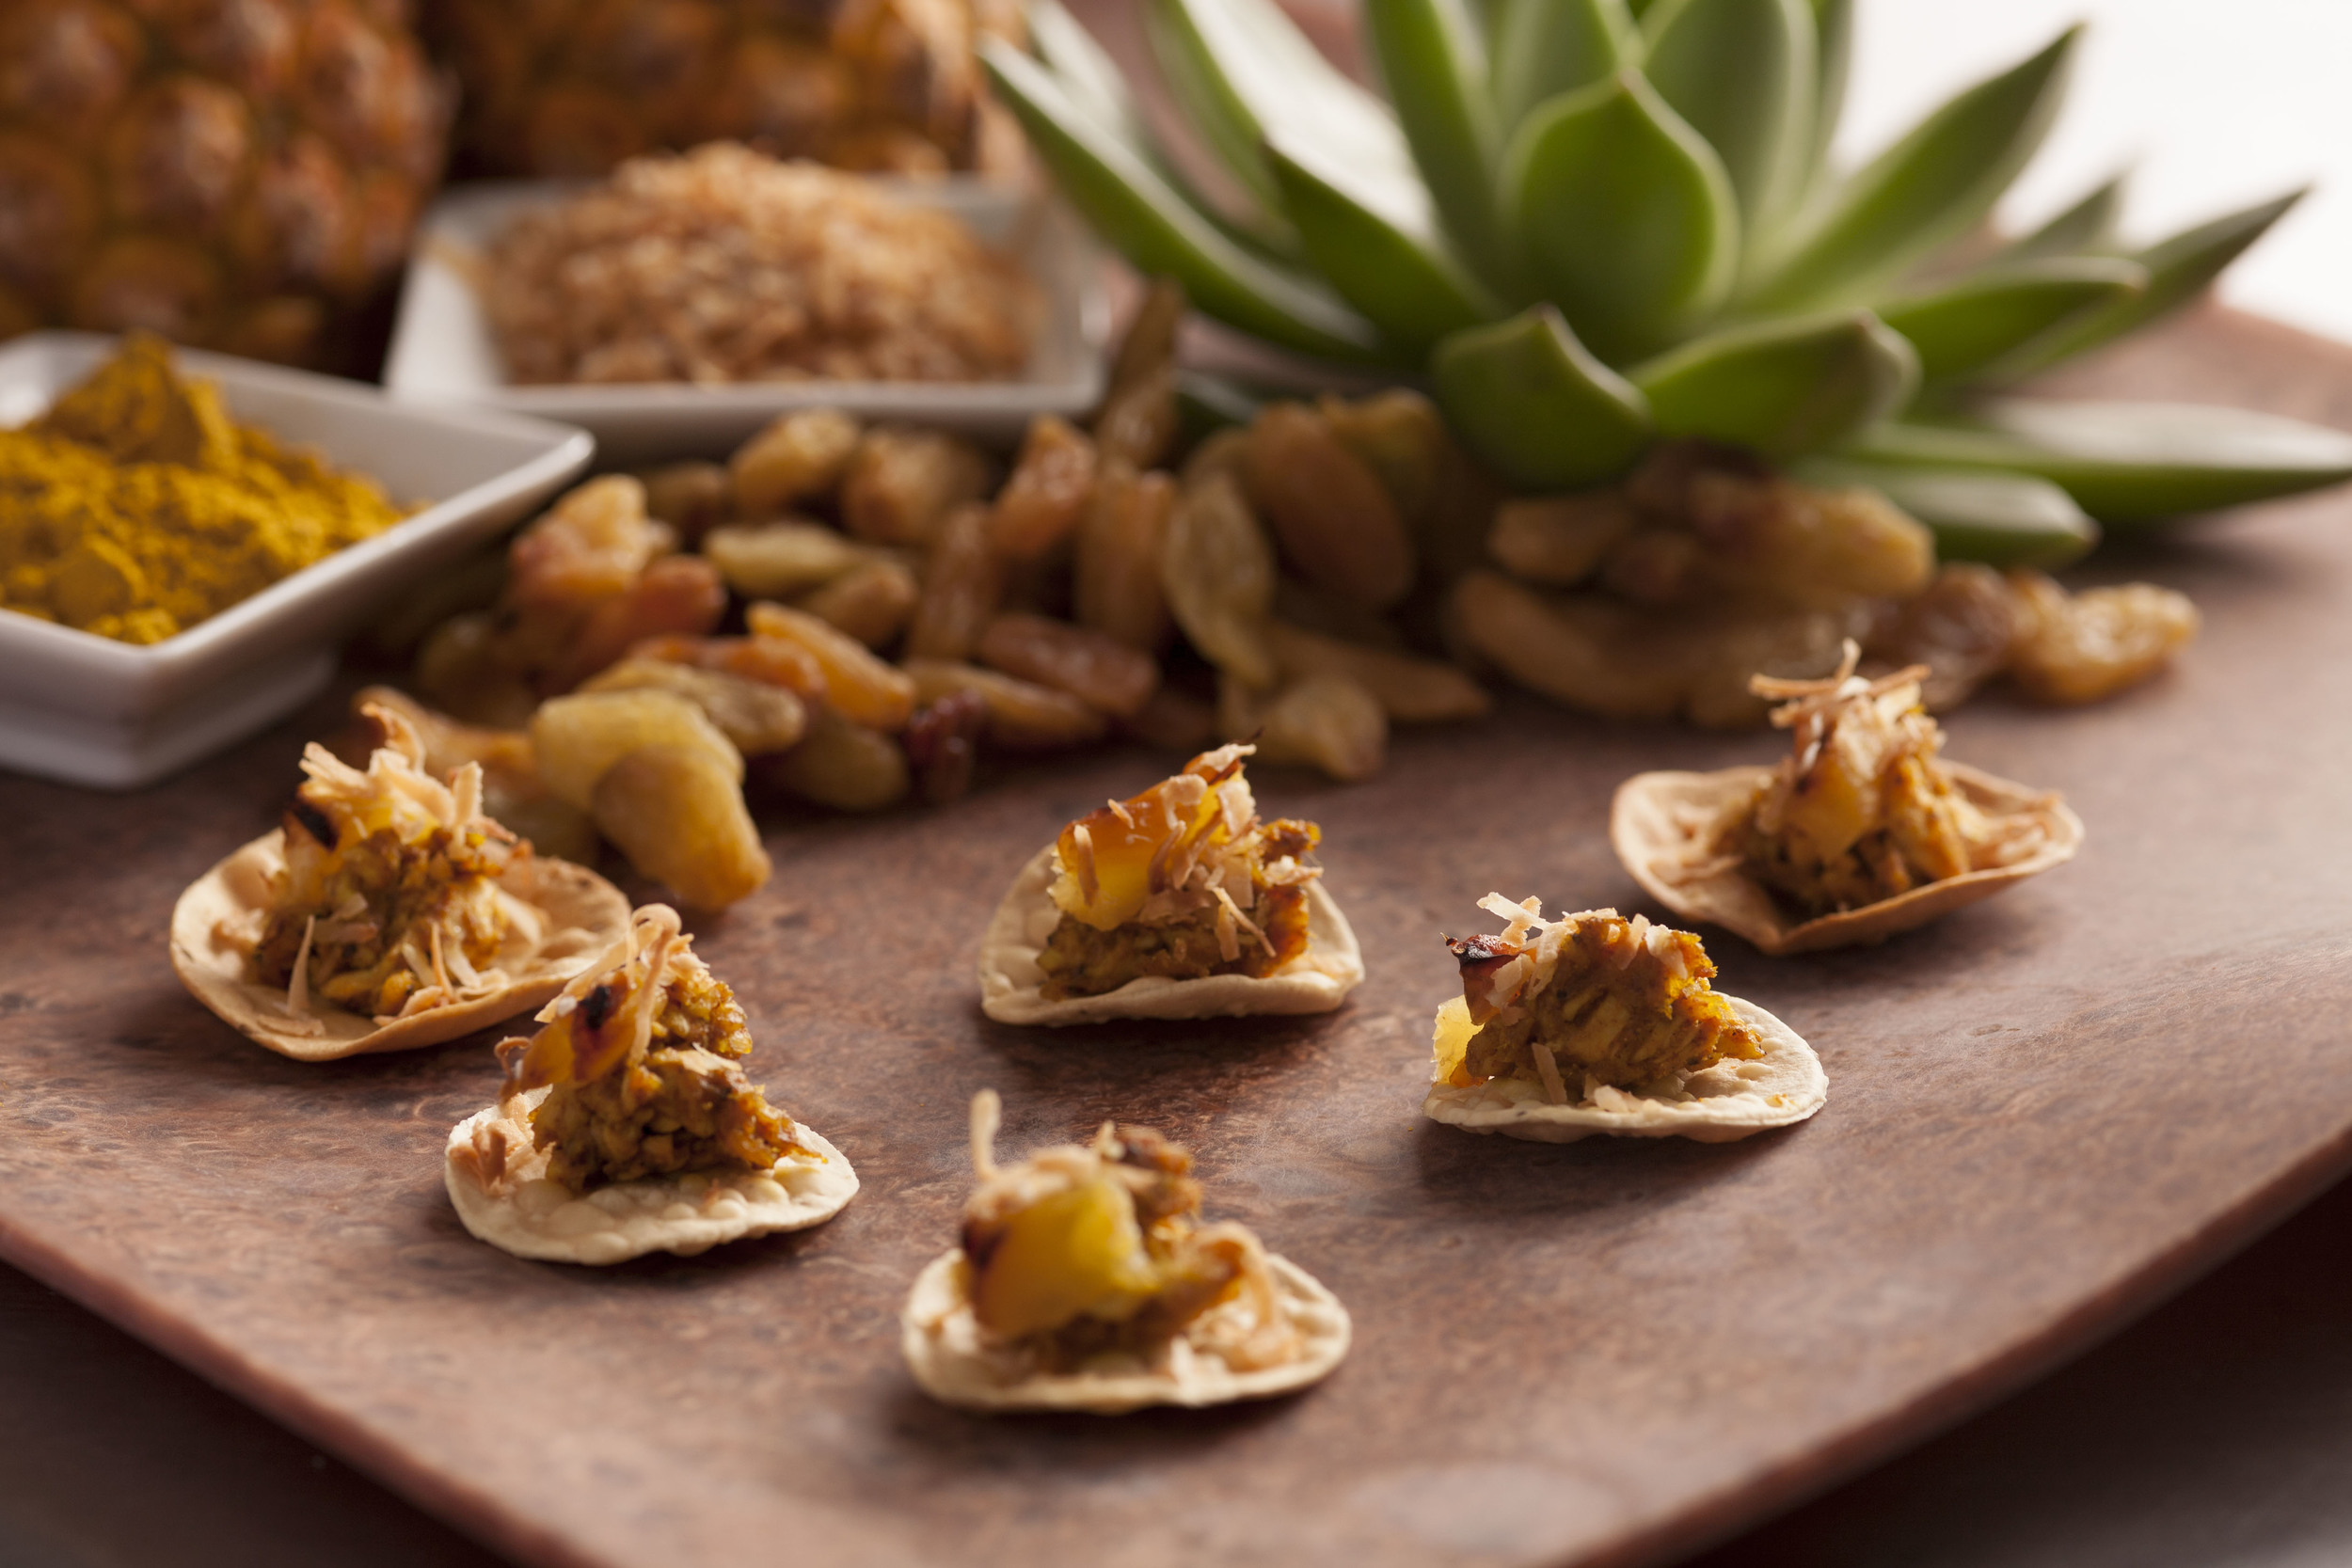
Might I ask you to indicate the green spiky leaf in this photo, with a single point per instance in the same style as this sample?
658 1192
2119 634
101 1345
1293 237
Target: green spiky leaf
2001 519
2085 228
1092 79
1971 321
1833 34
1926 190
1535 405
1245 73
1615 160
1783 387
1392 263
1741 73
1436 70
2126 463
1127 203
1089 76
1544 48
2178 270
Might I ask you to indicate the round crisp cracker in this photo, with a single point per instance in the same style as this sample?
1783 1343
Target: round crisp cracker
1316 981
219 920
1719 1104
533 1218
1660 824
941 1337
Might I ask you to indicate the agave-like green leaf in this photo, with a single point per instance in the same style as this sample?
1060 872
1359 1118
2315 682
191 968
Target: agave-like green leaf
1244 72
1430 56
2087 227
1782 388
1089 76
1627 216
1381 251
1967 323
1741 73
1541 410
1093 82
2126 461
2001 519
1129 204
1833 34
1544 48
2178 269
1926 190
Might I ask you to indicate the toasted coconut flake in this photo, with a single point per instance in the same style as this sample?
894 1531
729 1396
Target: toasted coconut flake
1665 827
299 985
988 1115
574 913
1548 1068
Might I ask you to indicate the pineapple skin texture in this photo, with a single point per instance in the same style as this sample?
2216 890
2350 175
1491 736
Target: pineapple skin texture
572 87
235 174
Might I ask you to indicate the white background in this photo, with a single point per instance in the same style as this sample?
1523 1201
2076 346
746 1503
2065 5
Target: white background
2211 105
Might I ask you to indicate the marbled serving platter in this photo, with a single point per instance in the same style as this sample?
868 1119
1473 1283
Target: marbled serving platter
2045 1112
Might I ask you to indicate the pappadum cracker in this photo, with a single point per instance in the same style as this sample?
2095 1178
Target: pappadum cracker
568 915
1661 825
940 1335
1721 1103
1011 984
533 1218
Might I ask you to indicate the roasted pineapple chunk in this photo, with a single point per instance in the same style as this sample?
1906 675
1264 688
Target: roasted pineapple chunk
1078 1252
1090 1250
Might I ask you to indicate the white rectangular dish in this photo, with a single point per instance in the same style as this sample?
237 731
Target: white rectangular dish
442 350
90 710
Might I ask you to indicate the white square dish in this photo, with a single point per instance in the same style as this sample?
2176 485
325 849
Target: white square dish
90 710
443 348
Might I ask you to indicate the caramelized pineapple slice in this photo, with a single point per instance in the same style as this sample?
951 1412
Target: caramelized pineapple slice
1078 1252
1834 804
1450 1044
1114 859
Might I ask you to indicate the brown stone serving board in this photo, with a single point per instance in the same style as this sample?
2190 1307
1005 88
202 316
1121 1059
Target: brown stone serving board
2044 1112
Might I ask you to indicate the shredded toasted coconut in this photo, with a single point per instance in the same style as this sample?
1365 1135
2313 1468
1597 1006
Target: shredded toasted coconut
1863 809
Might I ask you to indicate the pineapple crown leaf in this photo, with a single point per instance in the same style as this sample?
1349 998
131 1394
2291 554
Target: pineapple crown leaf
1594 222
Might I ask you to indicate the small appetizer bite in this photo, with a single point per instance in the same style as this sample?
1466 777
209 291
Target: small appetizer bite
625 1126
1863 831
1177 903
387 912
1086 1281
1596 1024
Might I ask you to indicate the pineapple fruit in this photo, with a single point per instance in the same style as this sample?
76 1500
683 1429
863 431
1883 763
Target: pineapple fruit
237 174
574 87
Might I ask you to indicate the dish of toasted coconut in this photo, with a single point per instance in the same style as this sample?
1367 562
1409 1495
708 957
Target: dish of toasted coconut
1860 832
1085 1281
625 1125
1179 902
387 912
1596 1024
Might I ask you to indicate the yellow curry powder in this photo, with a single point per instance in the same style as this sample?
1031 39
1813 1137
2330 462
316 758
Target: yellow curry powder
135 507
